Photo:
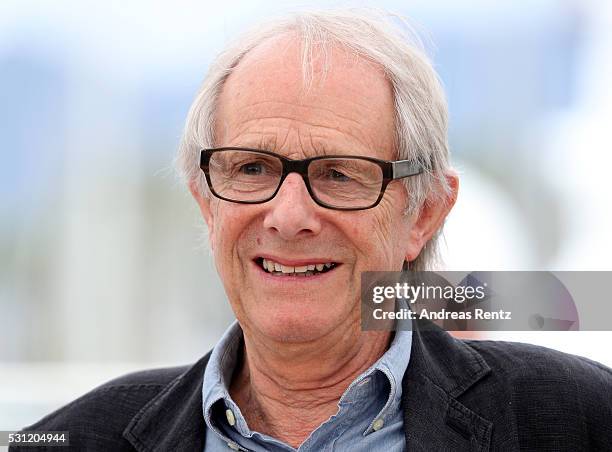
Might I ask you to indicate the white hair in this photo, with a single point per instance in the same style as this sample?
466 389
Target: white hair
420 104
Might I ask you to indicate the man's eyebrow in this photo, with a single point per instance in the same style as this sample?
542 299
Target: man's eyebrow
321 148
264 143
312 147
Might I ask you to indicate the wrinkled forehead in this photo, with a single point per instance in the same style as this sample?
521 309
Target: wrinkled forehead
283 76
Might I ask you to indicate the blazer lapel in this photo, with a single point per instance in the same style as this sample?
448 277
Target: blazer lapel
173 420
441 369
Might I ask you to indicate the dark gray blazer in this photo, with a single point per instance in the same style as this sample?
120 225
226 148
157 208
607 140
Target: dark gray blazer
457 395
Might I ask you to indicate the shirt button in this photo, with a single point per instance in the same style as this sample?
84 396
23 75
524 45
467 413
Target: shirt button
229 414
378 424
233 446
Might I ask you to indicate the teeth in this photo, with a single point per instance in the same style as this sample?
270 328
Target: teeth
286 269
302 270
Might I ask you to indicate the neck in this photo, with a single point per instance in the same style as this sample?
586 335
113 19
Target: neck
287 390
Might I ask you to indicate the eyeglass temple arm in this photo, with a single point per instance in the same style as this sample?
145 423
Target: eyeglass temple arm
406 168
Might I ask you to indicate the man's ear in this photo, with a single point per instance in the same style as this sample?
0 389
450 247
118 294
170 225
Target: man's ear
430 218
204 203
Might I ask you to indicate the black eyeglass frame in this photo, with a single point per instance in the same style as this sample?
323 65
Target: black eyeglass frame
391 170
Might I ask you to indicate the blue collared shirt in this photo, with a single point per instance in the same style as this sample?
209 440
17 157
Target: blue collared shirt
369 414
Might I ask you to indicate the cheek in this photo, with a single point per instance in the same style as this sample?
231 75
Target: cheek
227 227
385 220
391 227
234 231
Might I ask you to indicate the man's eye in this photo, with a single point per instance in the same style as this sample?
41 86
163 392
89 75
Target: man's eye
338 176
252 169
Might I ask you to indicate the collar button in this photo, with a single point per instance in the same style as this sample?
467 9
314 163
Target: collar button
229 414
378 424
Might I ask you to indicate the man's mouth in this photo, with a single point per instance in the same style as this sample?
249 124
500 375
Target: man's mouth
304 270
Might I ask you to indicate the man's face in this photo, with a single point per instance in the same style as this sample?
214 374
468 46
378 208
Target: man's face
349 110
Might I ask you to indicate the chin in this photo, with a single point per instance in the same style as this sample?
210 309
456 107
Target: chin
298 326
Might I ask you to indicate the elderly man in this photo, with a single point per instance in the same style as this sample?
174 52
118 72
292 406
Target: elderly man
317 150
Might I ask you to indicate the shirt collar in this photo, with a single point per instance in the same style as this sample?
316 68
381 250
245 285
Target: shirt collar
218 375
217 378
392 364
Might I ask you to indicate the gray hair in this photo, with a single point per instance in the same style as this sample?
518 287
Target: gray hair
420 104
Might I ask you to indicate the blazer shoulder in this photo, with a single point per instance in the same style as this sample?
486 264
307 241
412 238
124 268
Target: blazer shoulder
156 377
535 378
97 419
528 360
545 397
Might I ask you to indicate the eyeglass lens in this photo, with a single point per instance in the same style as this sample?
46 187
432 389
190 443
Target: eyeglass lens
251 176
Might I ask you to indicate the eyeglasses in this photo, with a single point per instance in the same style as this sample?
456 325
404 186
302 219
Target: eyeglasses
252 176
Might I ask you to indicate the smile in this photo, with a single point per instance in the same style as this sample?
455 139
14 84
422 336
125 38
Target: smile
277 269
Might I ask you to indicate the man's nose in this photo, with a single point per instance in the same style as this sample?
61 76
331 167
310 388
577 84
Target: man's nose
292 213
